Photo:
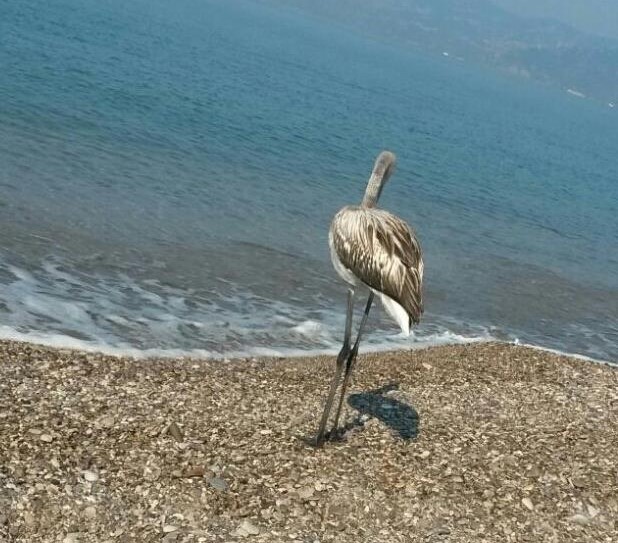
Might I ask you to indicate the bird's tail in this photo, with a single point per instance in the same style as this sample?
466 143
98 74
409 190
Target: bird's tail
397 312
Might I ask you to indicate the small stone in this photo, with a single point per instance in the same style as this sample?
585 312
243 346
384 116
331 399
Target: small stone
218 484
106 422
169 528
580 519
72 537
535 471
29 518
46 438
174 431
510 460
578 481
195 471
247 528
592 510
425 454
527 502
441 530
152 473
90 476
305 493
319 487
90 512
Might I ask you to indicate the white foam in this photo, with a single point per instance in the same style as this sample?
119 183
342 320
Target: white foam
23 275
117 319
62 341
309 328
120 316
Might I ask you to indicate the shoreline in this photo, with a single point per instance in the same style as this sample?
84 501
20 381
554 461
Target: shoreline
52 342
473 442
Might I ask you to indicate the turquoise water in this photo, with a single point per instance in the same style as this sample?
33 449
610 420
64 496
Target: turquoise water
169 171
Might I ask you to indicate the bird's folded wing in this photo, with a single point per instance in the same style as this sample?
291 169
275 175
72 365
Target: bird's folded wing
381 250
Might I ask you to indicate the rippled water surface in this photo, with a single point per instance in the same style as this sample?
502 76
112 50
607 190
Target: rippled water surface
169 171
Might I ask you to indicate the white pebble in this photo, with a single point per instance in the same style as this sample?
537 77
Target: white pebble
90 476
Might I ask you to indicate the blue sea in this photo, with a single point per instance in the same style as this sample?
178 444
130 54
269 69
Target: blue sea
168 172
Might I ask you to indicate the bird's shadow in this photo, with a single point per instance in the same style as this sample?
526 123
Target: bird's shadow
397 415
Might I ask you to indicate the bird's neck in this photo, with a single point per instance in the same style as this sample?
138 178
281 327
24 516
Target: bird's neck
373 191
381 172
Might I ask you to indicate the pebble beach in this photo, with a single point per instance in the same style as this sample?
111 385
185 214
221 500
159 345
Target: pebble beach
479 442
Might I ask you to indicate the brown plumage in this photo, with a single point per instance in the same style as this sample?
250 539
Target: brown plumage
379 250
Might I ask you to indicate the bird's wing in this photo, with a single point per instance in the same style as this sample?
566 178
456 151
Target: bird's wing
383 252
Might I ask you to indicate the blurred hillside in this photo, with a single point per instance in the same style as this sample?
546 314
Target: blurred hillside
481 32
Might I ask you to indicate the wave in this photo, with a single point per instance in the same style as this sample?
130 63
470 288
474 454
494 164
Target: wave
57 305
60 341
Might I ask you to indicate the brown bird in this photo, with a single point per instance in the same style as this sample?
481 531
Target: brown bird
373 248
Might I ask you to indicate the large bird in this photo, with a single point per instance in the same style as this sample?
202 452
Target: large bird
375 249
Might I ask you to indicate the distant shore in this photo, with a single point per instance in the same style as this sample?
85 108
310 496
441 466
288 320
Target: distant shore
477 442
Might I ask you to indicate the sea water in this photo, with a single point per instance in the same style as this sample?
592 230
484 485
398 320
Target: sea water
168 171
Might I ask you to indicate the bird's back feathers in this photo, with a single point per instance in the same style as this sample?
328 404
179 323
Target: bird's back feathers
380 250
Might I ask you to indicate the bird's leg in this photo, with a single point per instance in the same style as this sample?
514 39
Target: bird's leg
351 360
341 359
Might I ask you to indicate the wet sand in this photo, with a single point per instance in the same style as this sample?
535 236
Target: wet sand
483 442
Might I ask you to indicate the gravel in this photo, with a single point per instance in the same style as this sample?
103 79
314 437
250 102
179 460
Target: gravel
484 442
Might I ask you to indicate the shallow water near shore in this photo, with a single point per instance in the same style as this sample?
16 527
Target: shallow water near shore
169 174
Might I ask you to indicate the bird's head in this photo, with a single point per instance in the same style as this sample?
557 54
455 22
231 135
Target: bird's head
384 166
